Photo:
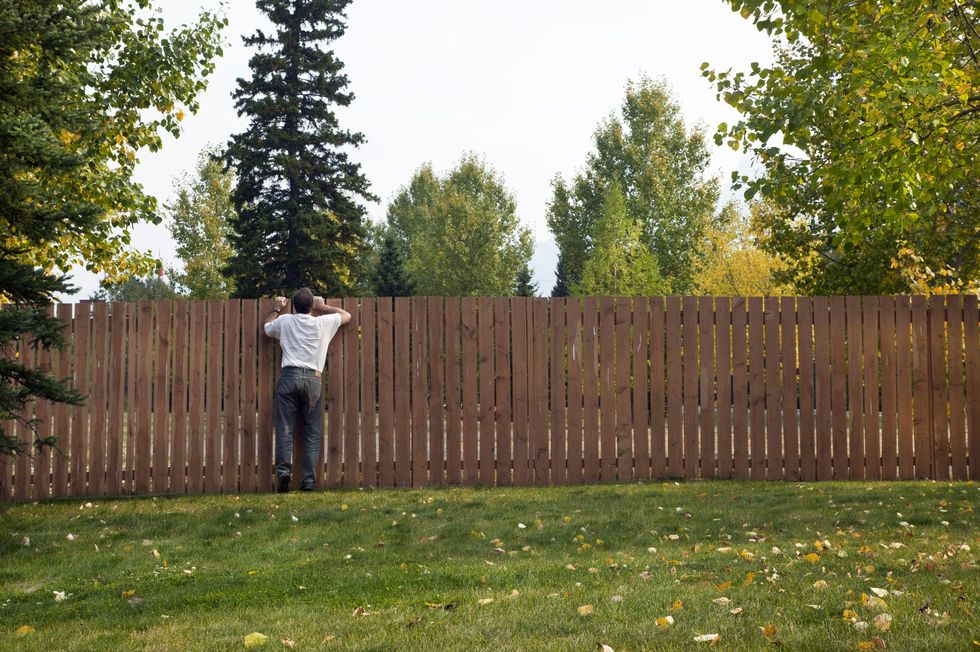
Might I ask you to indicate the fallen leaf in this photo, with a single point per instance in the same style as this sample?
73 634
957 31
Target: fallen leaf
70 537
293 516
749 578
881 593
616 599
722 600
360 611
737 611
585 610
605 648
883 622
26 541
677 605
156 553
288 642
812 557
820 584
23 630
664 622
256 639
724 586
876 603
861 626
59 596
707 638
769 631
850 615
483 601
126 595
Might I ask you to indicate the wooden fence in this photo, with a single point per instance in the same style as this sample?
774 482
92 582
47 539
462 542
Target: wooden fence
516 391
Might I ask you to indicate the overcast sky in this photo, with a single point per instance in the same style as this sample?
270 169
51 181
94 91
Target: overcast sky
523 84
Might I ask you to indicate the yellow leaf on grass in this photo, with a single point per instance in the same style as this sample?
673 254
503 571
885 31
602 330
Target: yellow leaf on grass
812 557
749 578
820 584
677 605
866 645
769 630
850 615
664 622
24 630
723 586
255 639
883 622
585 610
126 595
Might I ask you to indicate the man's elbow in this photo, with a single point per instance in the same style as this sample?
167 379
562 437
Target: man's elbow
344 318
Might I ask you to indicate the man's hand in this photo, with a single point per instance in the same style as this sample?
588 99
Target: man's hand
281 303
320 307
278 305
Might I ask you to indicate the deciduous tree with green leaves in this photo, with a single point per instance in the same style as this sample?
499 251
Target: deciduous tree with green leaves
199 219
866 127
667 191
299 218
461 231
620 263
86 86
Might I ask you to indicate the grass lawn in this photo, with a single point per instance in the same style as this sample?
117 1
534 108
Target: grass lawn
801 565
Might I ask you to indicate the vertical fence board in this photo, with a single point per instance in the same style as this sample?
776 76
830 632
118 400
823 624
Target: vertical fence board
403 382
575 423
350 335
249 409
855 390
740 393
723 356
22 484
706 404
484 372
624 414
519 317
675 390
607 399
971 326
144 397
556 385
229 400
386 394
938 389
903 367
757 388
502 384
774 435
116 389
957 424
333 444
469 365
872 428
807 454
823 440
369 393
161 393
790 393
539 359
689 315
62 411
590 380
42 412
196 388
921 419
658 397
641 388
99 397
213 386
838 401
80 413
436 348
178 453
889 408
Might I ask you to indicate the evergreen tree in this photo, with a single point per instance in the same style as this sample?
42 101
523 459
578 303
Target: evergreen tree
390 279
523 286
299 222
563 285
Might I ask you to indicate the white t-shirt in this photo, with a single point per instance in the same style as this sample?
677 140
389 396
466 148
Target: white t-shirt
304 338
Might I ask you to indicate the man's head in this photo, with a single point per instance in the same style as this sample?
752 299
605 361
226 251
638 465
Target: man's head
303 301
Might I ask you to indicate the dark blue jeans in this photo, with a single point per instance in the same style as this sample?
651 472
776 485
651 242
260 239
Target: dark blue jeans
298 394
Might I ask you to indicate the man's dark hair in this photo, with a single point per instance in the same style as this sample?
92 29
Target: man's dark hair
303 301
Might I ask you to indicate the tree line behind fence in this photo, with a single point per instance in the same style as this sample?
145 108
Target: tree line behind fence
514 391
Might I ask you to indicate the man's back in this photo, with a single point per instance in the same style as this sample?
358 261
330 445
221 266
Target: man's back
304 338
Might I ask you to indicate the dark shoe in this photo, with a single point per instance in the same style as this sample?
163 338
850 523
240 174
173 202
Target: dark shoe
306 487
282 486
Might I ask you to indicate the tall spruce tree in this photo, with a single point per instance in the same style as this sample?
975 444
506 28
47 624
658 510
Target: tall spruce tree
299 222
523 285
390 279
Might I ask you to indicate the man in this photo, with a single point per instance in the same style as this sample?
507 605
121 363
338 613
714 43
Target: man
304 337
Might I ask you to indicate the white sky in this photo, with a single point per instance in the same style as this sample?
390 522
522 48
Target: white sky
522 83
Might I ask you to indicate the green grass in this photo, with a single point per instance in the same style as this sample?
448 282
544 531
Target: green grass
420 561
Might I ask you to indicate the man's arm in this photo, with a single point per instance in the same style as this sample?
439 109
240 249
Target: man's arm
321 308
277 307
